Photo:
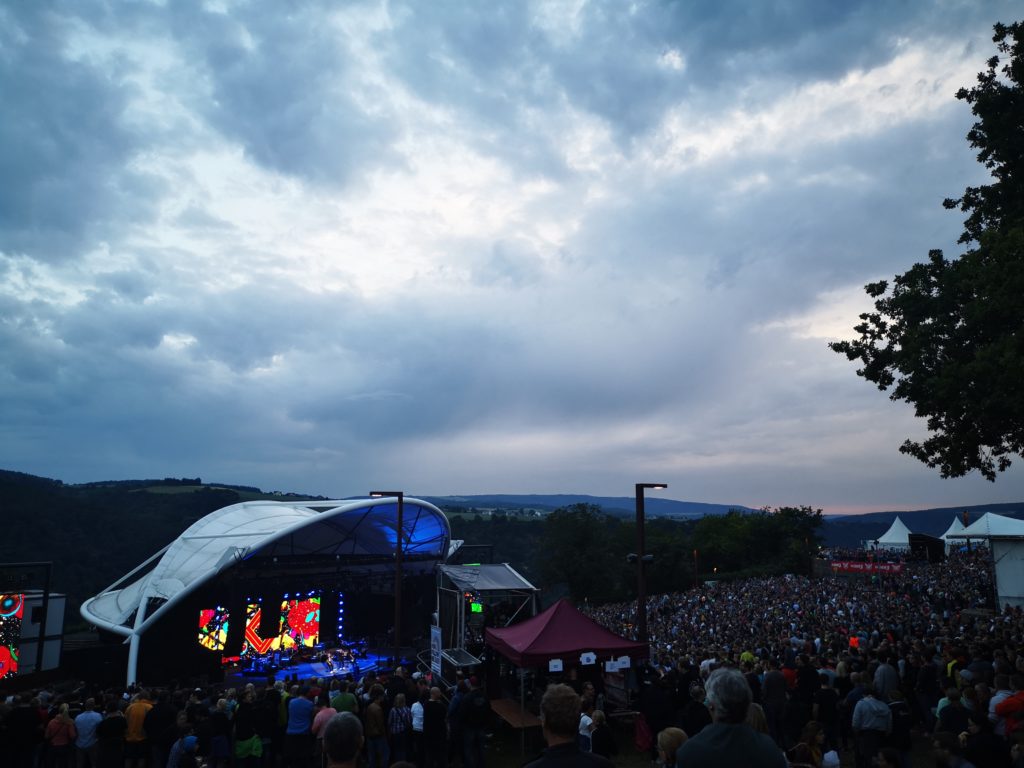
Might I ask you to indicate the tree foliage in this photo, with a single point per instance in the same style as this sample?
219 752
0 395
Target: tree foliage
585 549
948 335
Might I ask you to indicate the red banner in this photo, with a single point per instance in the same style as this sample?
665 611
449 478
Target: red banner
855 566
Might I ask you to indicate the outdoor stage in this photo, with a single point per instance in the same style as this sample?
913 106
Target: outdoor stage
260 669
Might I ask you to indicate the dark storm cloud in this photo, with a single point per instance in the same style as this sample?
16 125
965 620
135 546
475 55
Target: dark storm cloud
65 148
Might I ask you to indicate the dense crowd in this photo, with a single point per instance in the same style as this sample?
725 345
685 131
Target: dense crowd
790 669
858 664
404 721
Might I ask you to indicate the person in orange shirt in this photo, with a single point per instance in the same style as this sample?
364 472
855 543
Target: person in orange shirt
136 746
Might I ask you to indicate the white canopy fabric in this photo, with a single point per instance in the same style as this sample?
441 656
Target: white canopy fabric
955 527
897 537
991 525
217 541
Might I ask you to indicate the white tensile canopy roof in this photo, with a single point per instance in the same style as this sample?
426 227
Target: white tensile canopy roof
991 525
898 535
266 528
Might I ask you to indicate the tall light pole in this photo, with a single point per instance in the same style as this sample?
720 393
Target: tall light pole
400 495
641 558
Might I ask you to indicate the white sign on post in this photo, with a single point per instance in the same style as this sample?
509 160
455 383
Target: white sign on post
555 665
624 662
588 658
435 650
611 666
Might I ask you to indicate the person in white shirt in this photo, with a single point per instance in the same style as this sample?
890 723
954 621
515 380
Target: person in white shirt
586 726
418 748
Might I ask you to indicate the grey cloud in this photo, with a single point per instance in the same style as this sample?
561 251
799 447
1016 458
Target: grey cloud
511 261
651 315
133 285
281 84
489 62
780 244
64 147
194 217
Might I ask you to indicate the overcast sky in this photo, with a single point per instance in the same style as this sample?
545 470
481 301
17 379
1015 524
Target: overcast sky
470 247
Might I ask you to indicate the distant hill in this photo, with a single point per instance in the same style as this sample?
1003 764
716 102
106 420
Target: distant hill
851 530
655 505
96 532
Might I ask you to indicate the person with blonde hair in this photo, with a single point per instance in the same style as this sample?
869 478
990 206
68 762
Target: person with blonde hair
60 734
669 741
757 720
602 740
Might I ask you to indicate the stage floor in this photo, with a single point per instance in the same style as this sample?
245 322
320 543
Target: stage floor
305 671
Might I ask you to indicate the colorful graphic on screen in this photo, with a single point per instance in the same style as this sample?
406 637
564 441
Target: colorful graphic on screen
298 624
253 644
213 628
12 608
301 622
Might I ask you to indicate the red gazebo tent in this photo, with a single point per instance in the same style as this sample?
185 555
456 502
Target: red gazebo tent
560 632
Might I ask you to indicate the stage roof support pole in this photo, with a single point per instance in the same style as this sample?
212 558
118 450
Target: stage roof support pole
399 534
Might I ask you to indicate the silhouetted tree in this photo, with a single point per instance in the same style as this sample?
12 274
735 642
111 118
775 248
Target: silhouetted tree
948 336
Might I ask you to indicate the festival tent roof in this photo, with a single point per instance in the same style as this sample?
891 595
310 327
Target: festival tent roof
898 535
486 577
991 525
560 632
955 527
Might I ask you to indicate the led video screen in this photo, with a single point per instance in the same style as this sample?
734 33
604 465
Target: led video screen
12 608
298 624
213 628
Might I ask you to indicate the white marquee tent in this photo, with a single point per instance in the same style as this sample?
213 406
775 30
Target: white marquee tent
1005 537
955 527
897 537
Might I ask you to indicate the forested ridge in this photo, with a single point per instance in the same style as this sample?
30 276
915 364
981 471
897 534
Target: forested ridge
96 532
